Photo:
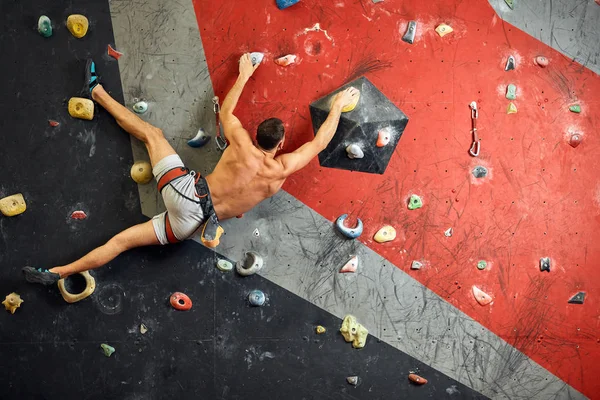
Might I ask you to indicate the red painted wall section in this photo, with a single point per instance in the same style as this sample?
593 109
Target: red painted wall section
541 197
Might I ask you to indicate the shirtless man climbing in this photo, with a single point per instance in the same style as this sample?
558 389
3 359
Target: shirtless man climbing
246 174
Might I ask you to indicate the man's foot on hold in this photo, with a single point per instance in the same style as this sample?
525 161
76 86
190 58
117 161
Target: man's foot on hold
91 79
40 275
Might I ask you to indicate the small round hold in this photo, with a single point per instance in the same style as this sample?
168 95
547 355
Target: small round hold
45 26
141 172
479 172
541 61
180 301
482 265
256 233
78 25
419 380
383 137
385 234
252 263
354 151
353 380
140 107
575 140
256 58
224 265
320 330
256 298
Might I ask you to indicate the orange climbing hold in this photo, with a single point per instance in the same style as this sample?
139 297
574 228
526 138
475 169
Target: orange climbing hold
53 123
78 214
114 53
419 380
285 60
180 301
384 137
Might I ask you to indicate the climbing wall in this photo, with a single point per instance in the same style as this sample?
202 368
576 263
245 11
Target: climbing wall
541 197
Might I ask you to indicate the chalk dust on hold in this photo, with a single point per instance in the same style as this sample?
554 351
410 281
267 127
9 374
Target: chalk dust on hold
315 28
254 354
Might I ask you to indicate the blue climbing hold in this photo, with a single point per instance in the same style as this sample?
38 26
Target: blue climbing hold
199 140
350 233
283 4
256 298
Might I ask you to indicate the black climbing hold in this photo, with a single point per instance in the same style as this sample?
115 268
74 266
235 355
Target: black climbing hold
579 298
479 172
510 64
361 125
545 264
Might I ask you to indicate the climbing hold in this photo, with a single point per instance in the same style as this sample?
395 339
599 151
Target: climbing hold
108 350
354 151
414 202
479 172
576 108
320 330
578 298
199 140
78 215
90 286
143 329
411 29
286 60
419 380
78 25
385 234
354 332
350 233
256 58
81 108
482 264
443 29
224 265
351 265
180 301
511 92
510 64
448 232
545 264
383 137
353 380
45 26
140 107
141 172
12 302
482 298
256 298
283 4
416 265
113 53
510 3
511 109
13 205
256 233
53 123
541 61
250 265
351 106
575 140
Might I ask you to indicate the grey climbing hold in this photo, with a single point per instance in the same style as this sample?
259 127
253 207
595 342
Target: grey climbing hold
479 172
251 264
414 202
579 298
140 107
200 139
45 26
256 57
482 264
416 265
353 380
224 265
545 264
409 36
256 298
511 92
350 233
448 232
354 151
510 64
510 3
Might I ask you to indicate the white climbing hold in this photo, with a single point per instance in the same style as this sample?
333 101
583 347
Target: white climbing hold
448 232
354 151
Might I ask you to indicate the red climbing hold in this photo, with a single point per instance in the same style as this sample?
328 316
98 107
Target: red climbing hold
78 215
419 380
53 123
240 216
180 301
114 53
575 140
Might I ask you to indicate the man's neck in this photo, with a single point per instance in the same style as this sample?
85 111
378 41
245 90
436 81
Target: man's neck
268 153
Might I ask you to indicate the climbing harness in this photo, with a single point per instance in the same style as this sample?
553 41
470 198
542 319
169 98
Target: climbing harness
476 146
220 139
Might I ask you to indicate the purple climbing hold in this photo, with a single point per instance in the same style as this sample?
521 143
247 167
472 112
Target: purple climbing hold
283 4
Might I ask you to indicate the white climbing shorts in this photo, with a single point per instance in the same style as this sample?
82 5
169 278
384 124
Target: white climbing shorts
184 211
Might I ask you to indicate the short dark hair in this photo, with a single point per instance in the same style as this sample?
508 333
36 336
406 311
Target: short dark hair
269 133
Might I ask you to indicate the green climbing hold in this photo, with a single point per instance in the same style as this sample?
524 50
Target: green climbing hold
108 350
415 202
510 3
576 108
482 264
45 26
511 92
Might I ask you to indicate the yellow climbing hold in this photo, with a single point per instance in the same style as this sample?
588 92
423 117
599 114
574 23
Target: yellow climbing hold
13 205
81 108
141 172
320 329
354 332
443 29
385 234
78 25
90 286
12 302
352 105
512 109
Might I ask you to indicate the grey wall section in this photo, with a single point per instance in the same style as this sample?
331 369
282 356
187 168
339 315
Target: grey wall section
164 63
571 27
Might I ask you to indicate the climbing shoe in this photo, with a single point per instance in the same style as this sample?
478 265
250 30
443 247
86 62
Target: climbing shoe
40 275
91 79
